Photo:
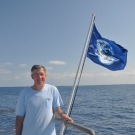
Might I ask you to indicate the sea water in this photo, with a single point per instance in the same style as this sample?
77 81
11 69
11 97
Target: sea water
107 109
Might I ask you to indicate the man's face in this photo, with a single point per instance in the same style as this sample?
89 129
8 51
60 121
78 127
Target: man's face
39 76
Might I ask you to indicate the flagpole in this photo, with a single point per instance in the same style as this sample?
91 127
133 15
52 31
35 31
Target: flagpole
79 71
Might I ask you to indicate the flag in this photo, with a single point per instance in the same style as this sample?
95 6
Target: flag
106 52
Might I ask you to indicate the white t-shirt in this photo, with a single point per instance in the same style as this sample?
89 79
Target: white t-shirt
37 107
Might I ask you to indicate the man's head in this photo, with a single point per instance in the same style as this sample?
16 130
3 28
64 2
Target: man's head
37 67
38 74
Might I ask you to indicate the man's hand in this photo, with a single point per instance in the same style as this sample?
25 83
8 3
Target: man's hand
19 124
60 115
65 118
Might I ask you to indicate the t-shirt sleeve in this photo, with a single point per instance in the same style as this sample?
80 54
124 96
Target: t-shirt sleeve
57 101
20 107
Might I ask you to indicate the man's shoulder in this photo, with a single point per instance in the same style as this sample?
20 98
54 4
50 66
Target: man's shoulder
26 89
50 86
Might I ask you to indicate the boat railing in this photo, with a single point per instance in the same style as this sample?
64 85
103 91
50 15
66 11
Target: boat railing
84 129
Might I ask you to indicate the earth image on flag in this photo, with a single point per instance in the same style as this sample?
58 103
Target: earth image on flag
105 52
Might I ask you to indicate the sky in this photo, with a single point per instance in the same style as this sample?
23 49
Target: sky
53 33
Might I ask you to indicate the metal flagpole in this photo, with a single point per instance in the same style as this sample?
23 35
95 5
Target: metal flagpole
79 71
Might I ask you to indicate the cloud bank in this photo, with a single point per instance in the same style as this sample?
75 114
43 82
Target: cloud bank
57 62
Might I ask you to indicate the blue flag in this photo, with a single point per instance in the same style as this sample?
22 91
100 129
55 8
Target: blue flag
106 52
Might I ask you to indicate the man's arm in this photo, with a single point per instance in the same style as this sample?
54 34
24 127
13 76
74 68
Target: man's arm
19 124
59 114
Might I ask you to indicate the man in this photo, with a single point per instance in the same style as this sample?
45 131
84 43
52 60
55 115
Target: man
37 105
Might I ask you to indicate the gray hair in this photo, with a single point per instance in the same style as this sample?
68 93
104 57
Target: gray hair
37 67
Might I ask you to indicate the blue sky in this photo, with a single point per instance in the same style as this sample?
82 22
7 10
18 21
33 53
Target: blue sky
52 33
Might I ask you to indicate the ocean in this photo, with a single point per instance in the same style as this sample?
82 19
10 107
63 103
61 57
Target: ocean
107 109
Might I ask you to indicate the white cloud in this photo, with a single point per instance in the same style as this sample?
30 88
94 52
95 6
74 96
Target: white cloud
108 74
86 75
25 75
132 73
57 62
3 71
5 64
49 68
61 75
10 78
5 78
8 63
16 78
22 76
22 65
91 75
